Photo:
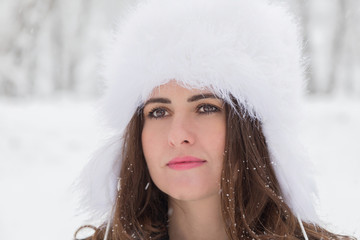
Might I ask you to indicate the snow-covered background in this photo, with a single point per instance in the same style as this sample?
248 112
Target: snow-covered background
44 145
49 86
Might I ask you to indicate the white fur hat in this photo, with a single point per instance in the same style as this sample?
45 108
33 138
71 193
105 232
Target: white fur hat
249 49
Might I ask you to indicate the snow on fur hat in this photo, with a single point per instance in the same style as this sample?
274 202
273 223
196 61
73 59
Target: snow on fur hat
249 49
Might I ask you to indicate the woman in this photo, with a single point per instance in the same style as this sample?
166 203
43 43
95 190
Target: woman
204 96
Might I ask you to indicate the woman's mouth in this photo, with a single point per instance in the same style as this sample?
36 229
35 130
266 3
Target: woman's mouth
184 163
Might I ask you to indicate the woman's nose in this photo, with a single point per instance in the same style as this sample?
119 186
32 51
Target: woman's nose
181 132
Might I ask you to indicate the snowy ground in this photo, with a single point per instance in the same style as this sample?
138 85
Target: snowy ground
43 146
332 138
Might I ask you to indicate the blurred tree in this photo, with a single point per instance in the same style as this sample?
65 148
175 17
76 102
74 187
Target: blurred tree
337 44
50 46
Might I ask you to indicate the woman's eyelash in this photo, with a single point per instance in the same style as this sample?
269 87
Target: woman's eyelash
159 112
154 111
209 108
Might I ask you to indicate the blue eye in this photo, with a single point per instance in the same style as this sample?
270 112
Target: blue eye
158 113
207 109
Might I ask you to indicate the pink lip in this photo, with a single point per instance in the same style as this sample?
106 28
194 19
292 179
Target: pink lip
184 163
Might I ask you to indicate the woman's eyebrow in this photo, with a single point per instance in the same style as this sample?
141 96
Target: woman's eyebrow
191 99
157 100
201 96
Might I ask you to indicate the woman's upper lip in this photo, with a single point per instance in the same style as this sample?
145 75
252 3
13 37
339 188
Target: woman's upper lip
185 159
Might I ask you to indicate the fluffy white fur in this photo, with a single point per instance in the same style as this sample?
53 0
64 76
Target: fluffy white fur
248 48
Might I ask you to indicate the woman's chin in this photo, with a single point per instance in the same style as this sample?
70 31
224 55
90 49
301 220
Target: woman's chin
192 192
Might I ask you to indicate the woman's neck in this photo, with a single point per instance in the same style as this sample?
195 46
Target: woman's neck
200 219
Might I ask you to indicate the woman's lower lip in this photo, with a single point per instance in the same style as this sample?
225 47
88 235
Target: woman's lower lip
185 165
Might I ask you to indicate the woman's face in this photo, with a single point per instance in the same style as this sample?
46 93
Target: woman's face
183 141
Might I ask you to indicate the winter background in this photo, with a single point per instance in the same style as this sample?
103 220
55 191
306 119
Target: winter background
49 51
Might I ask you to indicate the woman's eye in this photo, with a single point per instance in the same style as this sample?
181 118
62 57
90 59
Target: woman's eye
158 113
207 108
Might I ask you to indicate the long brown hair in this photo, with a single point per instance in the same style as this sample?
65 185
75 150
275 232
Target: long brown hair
252 203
